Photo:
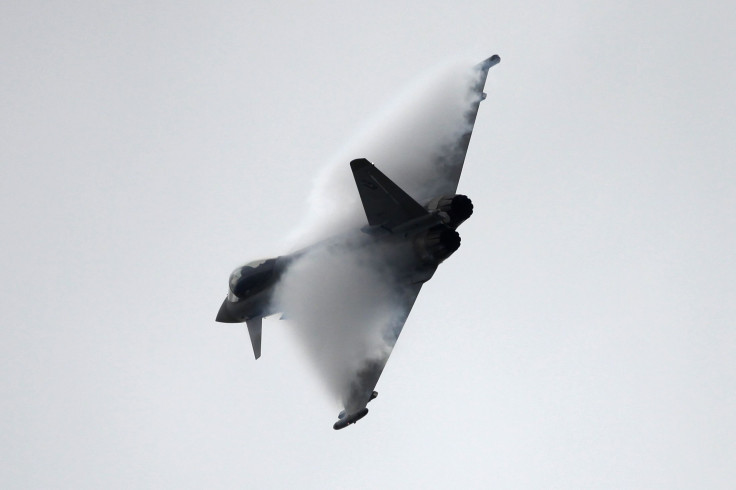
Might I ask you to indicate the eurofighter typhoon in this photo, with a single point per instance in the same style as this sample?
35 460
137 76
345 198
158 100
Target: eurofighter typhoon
406 234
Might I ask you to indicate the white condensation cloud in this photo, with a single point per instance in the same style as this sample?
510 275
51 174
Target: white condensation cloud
339 303
405 140
341 297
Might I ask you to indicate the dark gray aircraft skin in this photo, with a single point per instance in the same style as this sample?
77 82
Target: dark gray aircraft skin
407 238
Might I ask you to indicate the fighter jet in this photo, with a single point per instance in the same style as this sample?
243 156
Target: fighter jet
407 237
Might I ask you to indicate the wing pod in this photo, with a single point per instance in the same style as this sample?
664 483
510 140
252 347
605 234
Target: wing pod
350 419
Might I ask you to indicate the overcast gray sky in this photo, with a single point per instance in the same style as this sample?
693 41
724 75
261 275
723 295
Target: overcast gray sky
582 337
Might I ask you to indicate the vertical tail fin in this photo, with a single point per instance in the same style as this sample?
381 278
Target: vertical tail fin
255 327
384 202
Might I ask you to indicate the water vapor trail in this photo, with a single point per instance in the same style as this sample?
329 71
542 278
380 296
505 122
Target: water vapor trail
340 296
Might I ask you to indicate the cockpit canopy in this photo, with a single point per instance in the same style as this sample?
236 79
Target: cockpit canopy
250 278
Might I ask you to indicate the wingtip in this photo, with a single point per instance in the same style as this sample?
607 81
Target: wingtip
492 61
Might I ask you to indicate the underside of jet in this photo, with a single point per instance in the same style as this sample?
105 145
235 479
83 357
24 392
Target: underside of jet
407 237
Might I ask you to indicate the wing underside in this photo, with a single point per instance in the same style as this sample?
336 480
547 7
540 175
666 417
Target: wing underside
366 378
424 147
452 159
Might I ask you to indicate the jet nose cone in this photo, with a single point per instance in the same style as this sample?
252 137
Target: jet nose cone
224 315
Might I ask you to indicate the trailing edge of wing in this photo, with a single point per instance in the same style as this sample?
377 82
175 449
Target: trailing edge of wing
384 202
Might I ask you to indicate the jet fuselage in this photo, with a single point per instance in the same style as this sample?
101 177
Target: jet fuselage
410 252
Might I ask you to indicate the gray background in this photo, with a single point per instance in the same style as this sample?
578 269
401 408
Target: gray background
583 336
